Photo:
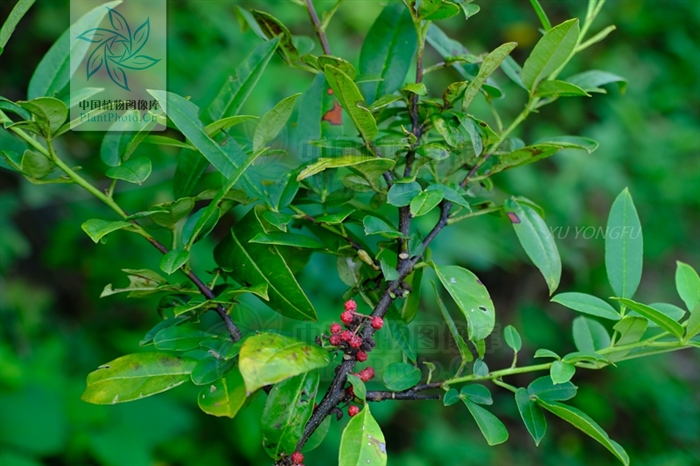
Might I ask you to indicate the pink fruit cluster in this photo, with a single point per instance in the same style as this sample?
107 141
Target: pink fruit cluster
297 458
352 322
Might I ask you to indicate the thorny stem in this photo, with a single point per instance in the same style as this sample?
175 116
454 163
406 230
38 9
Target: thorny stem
50 153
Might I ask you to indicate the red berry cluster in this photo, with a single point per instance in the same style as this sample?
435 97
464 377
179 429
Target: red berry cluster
297 458
349 338
353 410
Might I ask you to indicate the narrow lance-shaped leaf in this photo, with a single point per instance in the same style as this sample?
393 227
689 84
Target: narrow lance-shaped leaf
272 28
524 156
588 426
268 358
387 51
656 316
537 241
351 100
587 304
362 442
136 376
490 426
624 246
488 66
17 13
551 52
97 229
263 263
273 122
461 344
65 56
471 297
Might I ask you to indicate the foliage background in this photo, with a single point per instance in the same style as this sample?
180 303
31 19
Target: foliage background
55 329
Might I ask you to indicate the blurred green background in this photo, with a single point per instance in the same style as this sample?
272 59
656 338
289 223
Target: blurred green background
55 329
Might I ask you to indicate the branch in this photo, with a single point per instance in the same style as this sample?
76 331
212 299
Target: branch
405 395
318 27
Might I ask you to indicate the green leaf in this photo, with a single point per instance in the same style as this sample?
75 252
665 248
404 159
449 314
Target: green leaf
512 338
56 67
543 388
263 263
226 123
49 113
693 324
273 122
491 427
524 156
173 260
210 369
449 194
410 306
35 165
531 414
387 51
451 397
289 406
287 239
536 240
571 142
688 285
490 64
592 80
144 282
624 246
584 356
8 27
401 194
550 52
590 335
587 304
362 442
203 225
471 297
390 273
401 376
272 28
225 397
425 202
480 368
97 229
166 141
476 393
236 90
355 161
656 316
268 358
377 226
433 10
352 101
400 334
358 387
549 89
631 330
585 424
180 338
185 116
561 372
545 353
169 213
462 346
136 170
136 376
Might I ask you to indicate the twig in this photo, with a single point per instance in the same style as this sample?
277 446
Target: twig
318 27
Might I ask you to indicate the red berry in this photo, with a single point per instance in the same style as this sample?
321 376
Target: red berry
297 457
361 356
334 340
377 322
351 390
353 411
346 335
347 317
366 374
355 342
350 305
335 327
